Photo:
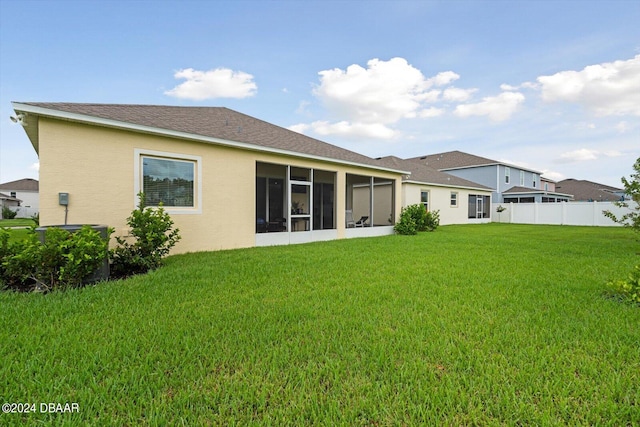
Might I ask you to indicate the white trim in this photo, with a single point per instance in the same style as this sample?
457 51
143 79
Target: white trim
137 187
188 136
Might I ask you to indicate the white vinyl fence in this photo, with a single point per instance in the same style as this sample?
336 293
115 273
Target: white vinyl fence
566 213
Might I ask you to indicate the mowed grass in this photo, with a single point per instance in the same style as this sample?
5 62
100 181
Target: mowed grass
471 325
17 222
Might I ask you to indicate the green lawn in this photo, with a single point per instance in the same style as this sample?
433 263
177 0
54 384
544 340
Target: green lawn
17 222
471 325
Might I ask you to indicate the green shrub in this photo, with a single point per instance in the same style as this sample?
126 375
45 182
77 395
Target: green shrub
432 220
64 259
628 289
154 236
414 218
8 213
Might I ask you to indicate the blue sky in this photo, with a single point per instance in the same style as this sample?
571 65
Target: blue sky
551 85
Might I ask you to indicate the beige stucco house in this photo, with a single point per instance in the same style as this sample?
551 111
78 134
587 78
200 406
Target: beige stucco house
227 179
457 200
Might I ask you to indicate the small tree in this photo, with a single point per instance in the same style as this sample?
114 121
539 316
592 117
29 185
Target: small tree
631 189
629 288
154 236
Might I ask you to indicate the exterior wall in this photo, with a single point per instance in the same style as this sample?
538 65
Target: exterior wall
493 176
96 165
440 199
551 186
483 175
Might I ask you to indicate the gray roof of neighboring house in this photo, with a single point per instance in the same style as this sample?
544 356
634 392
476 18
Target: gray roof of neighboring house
526 190
583 190
428 175
218 123
26 184
459 160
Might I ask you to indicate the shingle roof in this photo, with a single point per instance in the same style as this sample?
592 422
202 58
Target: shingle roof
26 184
428 175
453 159
458 160
210 122
583 190
527 190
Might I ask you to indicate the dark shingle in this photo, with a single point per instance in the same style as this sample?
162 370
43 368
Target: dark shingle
428 175
26 184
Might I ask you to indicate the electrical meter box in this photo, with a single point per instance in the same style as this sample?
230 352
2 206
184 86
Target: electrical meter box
63 199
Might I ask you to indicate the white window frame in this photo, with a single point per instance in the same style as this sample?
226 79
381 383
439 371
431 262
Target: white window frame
521 178
453 199
138 153
507 174
425 204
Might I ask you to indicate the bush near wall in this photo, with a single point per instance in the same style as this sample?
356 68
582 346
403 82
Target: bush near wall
414 218
63 260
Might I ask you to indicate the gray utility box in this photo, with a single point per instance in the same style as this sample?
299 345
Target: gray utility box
102 272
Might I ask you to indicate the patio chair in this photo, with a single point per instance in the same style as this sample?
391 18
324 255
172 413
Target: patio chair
349 219
362 222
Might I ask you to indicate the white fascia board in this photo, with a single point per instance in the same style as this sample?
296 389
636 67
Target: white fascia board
83 118
461 187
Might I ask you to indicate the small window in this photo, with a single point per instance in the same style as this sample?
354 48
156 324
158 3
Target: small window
14 194
534 182
507 174
454 199
424 199
522 178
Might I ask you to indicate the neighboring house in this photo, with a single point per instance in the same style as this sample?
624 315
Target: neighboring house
510 183
458 200
587 191
547 184
7 201
27 191
227 179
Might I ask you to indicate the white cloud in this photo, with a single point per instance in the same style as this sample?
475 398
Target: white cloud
457 95
300 127
497 108
35 166
431 112
369 101
443 78
586 154
624 127
552 175
384 92
217 83
357 129
611 88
